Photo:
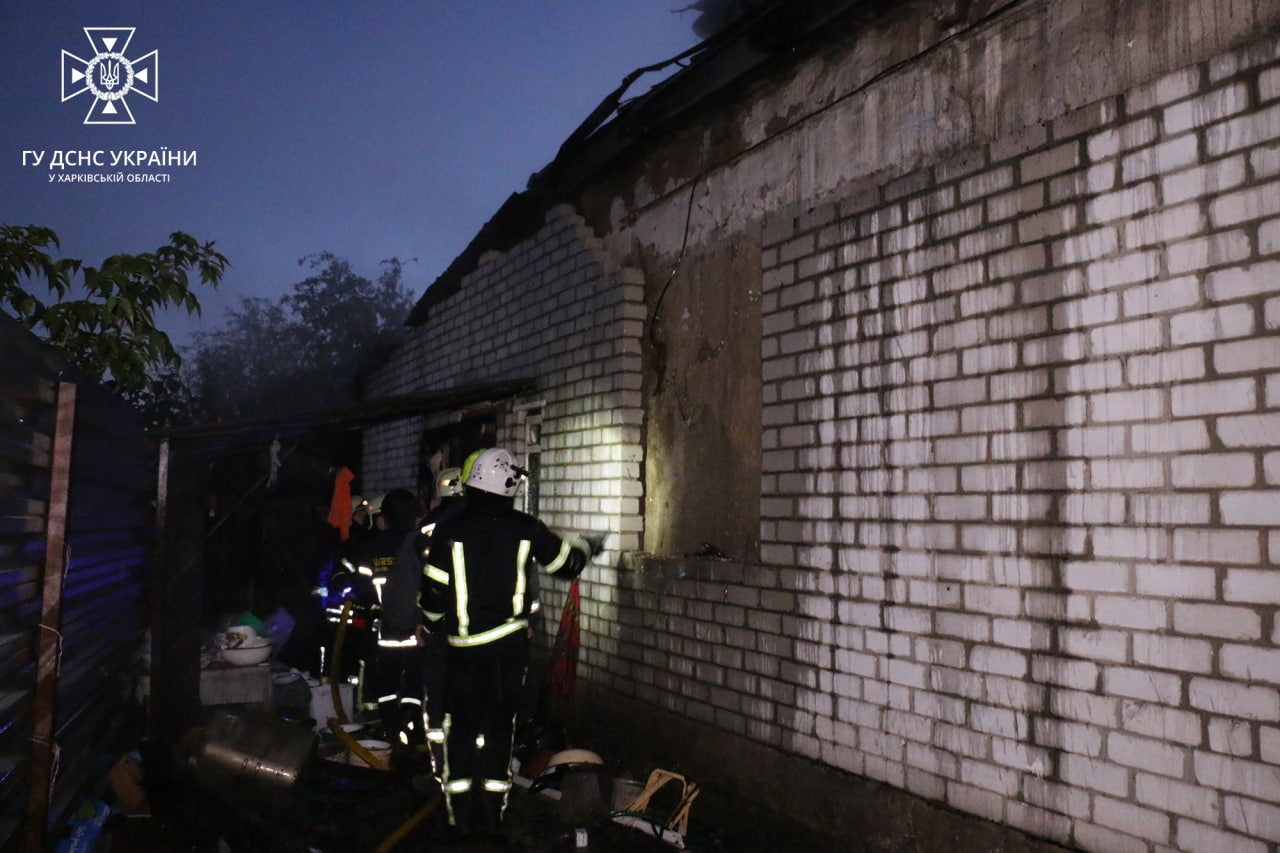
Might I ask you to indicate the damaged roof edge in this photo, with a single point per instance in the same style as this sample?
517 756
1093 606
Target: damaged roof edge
354 416
599 142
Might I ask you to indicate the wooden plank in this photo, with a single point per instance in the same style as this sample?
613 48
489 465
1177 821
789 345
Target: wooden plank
40 785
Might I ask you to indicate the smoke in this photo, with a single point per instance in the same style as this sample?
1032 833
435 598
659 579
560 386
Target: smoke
715 15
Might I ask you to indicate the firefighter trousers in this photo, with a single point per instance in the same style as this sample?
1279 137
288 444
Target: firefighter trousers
482 695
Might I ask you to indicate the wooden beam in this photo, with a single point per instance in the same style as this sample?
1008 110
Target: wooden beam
44 749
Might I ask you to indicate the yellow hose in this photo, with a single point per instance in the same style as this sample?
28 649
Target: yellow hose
335 671
354 745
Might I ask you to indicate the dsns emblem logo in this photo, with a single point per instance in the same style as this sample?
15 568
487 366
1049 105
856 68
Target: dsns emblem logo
110 75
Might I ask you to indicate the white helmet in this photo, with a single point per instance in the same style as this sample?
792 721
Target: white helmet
495 471
449 483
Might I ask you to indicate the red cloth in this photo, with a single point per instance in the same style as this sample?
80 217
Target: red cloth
562 672
340 506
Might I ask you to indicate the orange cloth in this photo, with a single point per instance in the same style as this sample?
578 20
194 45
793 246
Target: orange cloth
340 506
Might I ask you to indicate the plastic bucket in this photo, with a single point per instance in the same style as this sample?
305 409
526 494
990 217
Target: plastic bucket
322 703
625 792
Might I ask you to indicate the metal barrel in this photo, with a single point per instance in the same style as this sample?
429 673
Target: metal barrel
253 755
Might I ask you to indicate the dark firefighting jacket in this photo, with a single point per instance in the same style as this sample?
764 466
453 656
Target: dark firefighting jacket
478 570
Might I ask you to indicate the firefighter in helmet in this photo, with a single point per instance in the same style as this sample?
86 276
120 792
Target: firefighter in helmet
477 587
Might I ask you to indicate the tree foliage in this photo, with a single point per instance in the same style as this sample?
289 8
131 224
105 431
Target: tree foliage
104 318
305 351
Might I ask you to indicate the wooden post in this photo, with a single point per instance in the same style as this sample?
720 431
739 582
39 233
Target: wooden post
44 749
174 703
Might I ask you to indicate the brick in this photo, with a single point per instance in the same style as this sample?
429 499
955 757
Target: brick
1269 84
1120 406
1122 204
1160 159
1231 737
957 222
1091 376
1165 226
1269 238
1214 470
1250 663
1180 654
1207 109
1135 336
797 248
1164 368
1243 132
1042 164
1244 205
1095 775
1169 437
1112 141
1242 282
1160 687
1213 324
1097 644
908 184
1090 836
1253 586
1237 61
1196 837
1016 203
1249 509
1178 508
1220 546
1162 297
1209 179
1091 311
985 184
1137 613
1216 620
1232 395
1255 819
1217 250
1176 797
931 204
1160 721
1247 356
1133 820
1086 246
1113 273
1259 781
1049 223
1163 90
1265 160
1093 180
1085 119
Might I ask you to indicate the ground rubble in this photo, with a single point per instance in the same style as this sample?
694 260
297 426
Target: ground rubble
264 796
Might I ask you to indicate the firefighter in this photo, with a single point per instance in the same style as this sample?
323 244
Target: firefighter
478 588
390 681
451 494
354 583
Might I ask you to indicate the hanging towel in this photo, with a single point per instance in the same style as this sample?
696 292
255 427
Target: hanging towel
340 506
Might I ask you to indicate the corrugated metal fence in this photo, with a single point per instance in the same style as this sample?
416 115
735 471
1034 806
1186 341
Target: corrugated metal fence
76 469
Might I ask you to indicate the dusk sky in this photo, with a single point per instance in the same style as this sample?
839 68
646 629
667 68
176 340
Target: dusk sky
369 130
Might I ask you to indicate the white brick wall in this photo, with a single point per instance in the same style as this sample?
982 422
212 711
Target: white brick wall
1095 394
555 308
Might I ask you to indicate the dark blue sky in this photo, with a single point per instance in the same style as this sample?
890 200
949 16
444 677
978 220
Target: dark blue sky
370 130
